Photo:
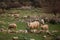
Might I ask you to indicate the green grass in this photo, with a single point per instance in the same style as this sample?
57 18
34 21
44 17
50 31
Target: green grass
22 25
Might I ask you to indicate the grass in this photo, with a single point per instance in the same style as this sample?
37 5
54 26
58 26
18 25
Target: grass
22 25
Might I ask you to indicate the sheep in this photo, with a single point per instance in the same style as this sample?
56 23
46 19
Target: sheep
34 25
12 25
16 15
45 27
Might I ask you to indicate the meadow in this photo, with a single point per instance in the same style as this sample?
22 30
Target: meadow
22 25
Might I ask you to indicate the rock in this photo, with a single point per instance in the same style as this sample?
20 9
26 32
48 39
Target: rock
15 38
32 39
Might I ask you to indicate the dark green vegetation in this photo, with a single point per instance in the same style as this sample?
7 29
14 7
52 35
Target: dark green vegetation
22 25
48 5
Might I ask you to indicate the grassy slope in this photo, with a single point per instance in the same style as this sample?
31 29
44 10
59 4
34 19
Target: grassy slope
6 36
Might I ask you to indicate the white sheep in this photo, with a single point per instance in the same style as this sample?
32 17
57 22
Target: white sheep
33 25
45 27
12 25
15 15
